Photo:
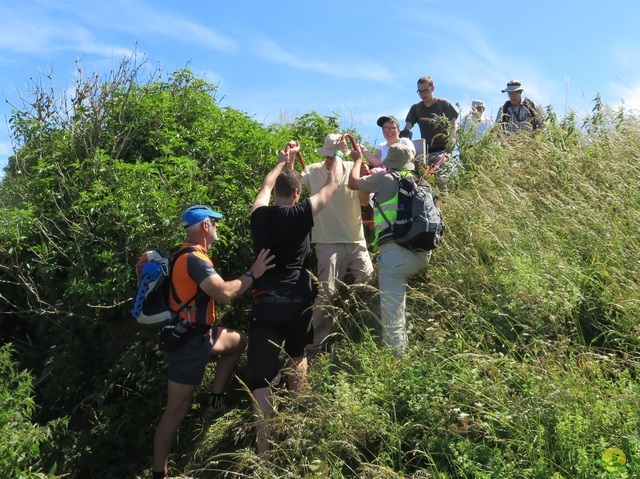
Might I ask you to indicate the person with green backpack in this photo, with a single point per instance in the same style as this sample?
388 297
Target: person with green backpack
396 263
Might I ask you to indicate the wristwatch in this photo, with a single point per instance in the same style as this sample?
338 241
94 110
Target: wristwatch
250 274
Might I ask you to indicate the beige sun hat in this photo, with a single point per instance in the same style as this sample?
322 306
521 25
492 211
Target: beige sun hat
332 144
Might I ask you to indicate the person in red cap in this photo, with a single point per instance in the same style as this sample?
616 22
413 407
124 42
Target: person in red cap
194 276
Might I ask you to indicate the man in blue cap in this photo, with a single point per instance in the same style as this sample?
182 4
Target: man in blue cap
193 276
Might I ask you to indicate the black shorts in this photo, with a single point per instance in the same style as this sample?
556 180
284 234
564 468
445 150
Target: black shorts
271 326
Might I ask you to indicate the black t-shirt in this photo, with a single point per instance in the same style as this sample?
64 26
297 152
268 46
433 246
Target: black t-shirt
429 118
285 231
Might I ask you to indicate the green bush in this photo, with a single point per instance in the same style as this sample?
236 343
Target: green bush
21 439
524 334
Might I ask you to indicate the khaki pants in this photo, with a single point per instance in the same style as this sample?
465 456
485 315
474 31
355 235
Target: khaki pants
334 260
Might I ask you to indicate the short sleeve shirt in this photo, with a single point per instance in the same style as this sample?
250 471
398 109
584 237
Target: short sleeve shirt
285 231
384 147
340 220
385 186
189 270
430 120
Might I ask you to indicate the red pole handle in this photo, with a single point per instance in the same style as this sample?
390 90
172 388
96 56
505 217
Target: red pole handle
299 155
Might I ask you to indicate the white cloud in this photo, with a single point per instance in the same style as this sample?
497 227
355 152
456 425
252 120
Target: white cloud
627 94
26 31
48 27
142 20
627 58
340 67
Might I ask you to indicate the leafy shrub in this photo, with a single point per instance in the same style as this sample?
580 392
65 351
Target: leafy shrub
20 438
523 328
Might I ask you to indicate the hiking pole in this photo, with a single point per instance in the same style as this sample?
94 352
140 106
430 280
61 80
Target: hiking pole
294 145
345 136
364 169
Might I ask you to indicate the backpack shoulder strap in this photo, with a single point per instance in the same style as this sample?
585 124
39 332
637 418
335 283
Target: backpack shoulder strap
534 112
529 106
505 112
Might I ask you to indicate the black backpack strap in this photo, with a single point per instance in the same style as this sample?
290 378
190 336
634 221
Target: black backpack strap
504 118
528 104
534 113
173 292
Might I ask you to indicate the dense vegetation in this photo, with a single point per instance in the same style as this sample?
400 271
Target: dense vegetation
524 332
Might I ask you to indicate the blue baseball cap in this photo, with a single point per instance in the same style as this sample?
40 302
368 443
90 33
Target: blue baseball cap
195 214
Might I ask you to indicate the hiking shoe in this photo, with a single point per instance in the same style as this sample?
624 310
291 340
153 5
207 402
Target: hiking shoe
215 408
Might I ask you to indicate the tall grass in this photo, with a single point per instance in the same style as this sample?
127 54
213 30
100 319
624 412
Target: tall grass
524 335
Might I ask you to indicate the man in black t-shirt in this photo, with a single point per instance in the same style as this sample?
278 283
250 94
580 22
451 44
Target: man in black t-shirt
281 316
436 118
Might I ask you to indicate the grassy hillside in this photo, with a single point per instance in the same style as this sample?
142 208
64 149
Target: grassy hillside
524 328
524 333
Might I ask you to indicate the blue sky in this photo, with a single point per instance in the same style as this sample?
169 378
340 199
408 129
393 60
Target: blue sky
360 59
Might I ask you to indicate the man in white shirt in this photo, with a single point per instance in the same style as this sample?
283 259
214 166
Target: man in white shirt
476 122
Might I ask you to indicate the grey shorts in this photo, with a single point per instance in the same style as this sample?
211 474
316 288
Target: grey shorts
187 363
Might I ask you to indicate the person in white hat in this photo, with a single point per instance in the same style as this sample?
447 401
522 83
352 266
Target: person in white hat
476 122
518 114
338 237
